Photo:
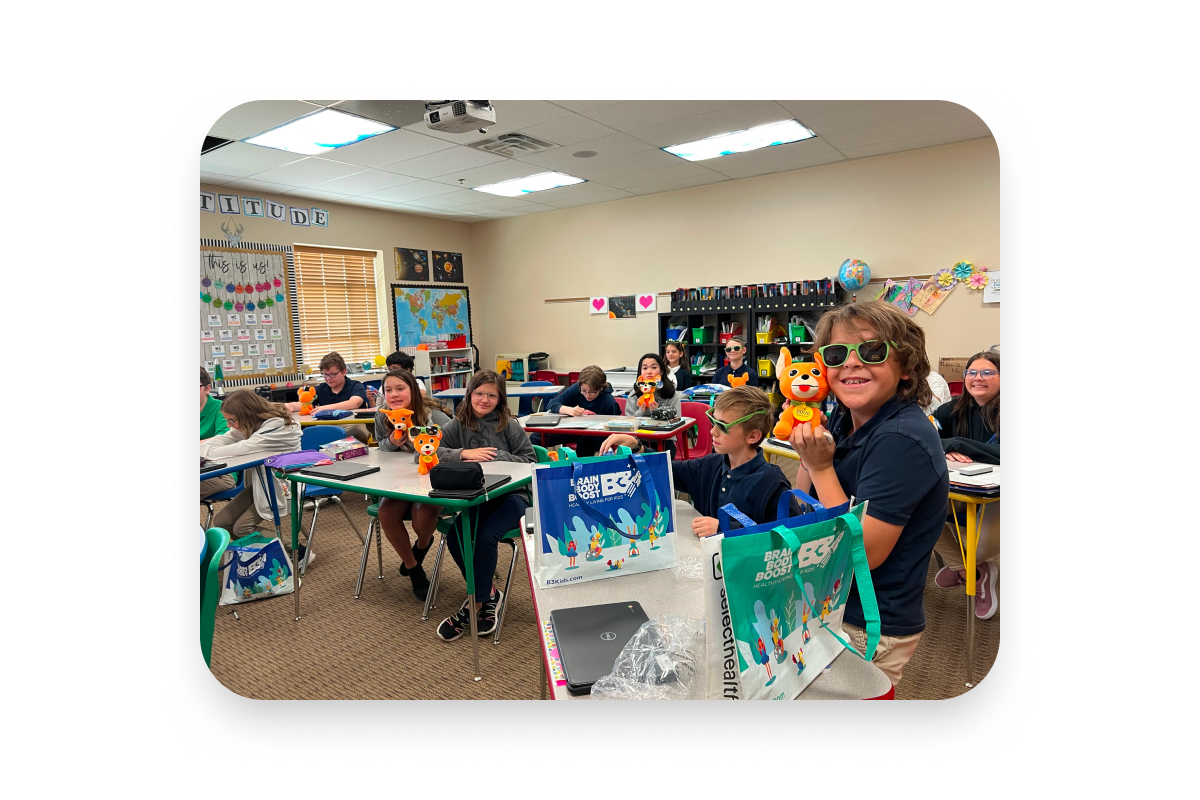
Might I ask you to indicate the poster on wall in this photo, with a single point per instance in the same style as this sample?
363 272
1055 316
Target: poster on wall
599 305
411 264
991 292
622 307
426 314
447 267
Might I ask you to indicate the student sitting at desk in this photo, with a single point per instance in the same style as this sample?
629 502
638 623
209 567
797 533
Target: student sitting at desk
651 367
735 373
737 472
591 395
678 369
337 392
887 453
970 429
483 430
400 391
212 424
405 362
255 427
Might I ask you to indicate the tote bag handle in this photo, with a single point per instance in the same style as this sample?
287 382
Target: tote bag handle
638 463
785 499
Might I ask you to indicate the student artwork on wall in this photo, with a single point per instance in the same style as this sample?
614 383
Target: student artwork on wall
412 265
622 307
931 295
598 305
647 302
447 267
245 297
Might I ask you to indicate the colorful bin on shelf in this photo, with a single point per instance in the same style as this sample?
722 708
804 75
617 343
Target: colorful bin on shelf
676 334
700 336
511 366
762 338
766 368
798 334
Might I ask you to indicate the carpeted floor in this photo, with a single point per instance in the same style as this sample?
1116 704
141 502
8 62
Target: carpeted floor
378 647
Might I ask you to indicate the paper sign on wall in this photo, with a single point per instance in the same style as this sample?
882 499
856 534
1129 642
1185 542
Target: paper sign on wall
622 306
207 336
214 320
247 364
233 320
235 350
253 350
218 350
266 318
991 292
269 348
228 363
225 335
598 305
647 302
278 362
243 334
251 318
260 335
263 363
276 333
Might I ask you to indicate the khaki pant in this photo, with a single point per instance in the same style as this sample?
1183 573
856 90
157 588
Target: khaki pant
358 432
892 653
221 483
240 518
989 539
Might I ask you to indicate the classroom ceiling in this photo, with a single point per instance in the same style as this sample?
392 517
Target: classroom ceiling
416 170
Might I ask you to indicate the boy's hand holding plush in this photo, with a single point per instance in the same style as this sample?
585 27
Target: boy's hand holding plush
815 446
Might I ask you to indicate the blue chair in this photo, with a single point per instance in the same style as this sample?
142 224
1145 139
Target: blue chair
525 404
228 494
313 438
216 542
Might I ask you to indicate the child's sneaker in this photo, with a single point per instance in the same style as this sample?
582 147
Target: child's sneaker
987 597
301 552
947 578
487 614
455 626
419 554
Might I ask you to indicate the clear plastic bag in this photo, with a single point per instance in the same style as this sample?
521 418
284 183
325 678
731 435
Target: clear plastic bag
663 661
688 569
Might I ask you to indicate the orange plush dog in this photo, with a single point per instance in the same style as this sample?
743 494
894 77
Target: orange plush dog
735 381
307 395
426 443
401 418
647 389
806 386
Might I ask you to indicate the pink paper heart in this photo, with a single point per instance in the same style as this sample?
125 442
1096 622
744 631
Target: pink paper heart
646 300
598 303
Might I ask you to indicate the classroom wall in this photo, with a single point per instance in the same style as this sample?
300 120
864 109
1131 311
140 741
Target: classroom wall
356 227
904 214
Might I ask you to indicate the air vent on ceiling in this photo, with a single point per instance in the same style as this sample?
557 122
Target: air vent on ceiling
511 145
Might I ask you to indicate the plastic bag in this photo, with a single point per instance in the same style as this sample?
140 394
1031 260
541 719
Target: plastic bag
689 569
663 661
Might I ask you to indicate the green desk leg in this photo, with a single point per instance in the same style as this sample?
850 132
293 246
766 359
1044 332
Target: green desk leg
295 511
467 546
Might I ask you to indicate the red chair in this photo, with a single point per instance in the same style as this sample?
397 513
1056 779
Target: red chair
621 403
956 388
698 412
546 375
572 378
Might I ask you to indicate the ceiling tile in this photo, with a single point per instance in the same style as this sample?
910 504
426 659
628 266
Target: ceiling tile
714 123
568 130
766 155
916 142
314 194
370 180
680 183
786 165
503 170
502 205
450 200
409 191
583 105
240 160
637 168
248 185
443 162
214 179
581 194
257 116
904 129
511 115
387 148
878 112
605 148
629 115
396 113
803 109
307 171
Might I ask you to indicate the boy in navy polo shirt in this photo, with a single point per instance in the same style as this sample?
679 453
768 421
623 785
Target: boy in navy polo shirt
888 453
735 351
737 472
337 392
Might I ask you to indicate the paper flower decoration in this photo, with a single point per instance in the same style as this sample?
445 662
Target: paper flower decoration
977 281
945 278
963 270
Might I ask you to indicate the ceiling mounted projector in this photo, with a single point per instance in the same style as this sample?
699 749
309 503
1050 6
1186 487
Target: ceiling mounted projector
459 116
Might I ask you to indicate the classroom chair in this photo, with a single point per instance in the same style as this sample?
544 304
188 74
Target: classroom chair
313 438
956 388
373 531
512 539
697 411
545 375
525 404
572 378
217 542
228 494
620 402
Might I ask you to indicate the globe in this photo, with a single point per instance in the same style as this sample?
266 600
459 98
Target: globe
854 274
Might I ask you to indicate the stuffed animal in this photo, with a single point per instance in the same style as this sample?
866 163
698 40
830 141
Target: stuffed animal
647 387
401 418
805 385
307 395
426 443
735 381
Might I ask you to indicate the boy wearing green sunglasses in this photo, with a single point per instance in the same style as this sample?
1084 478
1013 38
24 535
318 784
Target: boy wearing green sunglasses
737 472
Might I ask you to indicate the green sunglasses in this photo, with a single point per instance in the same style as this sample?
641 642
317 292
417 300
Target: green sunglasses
724 427
874 351
432 430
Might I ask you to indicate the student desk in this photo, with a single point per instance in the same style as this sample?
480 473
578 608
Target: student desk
661 592
773 452
398 478
567 427
975 503
307 420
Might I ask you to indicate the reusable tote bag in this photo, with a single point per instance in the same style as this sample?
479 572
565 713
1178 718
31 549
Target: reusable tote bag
604 517
259 569
721 652
786 589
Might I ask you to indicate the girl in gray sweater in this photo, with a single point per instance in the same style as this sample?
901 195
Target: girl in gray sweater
483 430
400 390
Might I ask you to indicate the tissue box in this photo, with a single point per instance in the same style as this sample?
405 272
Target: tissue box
343 449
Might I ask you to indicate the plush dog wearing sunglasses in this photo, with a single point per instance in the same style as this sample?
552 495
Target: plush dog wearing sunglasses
426 444
647 389
805 385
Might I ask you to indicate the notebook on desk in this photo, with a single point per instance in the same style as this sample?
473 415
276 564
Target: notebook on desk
341 470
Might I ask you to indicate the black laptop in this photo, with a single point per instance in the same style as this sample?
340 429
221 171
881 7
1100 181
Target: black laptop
490 482
341 470
591 637
209 466
543 420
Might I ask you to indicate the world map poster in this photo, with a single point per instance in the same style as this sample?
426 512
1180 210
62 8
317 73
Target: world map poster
425 313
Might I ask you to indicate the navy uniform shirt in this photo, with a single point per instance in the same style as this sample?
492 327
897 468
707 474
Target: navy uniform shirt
755 487
572 397
722 375
326 396
896 462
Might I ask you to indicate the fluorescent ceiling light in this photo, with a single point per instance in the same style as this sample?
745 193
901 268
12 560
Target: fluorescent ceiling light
319 133
742 141
530 183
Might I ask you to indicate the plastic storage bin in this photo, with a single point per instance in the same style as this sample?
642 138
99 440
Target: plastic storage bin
511 366
700 336
798 334
676 334
763 338
766 368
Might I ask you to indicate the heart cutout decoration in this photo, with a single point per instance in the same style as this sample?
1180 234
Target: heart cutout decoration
598 303
646 300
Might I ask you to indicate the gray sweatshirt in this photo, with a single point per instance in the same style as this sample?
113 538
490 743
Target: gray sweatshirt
272 438
512 443
632 409
384 428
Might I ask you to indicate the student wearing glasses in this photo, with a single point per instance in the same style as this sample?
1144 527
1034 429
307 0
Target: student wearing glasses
736 473
337 392
483 430
884 450
736 373
970 429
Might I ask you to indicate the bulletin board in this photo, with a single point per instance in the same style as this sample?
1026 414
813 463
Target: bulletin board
247 311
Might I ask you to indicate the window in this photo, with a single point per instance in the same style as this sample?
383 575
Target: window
336 293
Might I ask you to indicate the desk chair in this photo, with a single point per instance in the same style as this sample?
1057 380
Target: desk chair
443 526
512 539
620 402
313 438
228 494
698 412
956 388
545 375
525 404
217 541
572 378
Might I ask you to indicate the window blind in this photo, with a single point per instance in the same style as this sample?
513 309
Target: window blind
336 299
